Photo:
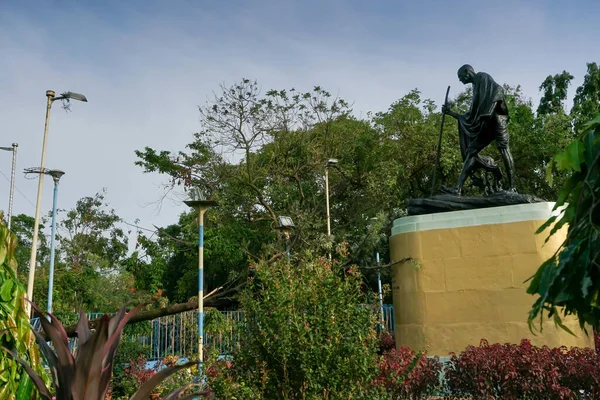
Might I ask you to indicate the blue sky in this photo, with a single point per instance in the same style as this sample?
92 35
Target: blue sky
145 66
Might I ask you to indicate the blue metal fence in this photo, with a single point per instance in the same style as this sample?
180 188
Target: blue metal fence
176 335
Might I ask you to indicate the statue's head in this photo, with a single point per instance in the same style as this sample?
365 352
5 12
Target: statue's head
466 74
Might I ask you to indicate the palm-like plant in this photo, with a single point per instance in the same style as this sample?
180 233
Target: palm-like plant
86 376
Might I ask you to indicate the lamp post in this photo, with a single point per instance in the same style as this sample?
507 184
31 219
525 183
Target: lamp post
380 291
199 203
286 226
12 179
331 162
56 174
50 94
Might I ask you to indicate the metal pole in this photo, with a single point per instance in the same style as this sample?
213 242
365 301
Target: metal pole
12 183
439 148
53 234
201 210
327 203
30 281
380 291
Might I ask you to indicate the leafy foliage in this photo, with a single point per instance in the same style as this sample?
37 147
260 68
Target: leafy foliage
570 280
91 259
510 371
86 375
406 374
262 155
307 337
554 93
15 333
586 103
136 373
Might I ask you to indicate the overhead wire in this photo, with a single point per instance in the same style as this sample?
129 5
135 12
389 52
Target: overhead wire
21 193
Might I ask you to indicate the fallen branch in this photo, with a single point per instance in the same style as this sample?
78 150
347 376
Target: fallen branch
210 300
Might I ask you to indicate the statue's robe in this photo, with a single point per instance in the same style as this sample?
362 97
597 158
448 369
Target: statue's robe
488 98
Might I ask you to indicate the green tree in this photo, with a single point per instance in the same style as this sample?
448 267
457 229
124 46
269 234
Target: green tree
554 93
90 260
262 156
586 103
22 227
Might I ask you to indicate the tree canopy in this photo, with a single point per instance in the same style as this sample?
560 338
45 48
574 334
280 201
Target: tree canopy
263 155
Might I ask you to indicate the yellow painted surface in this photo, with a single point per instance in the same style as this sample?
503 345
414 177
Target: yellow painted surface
469 285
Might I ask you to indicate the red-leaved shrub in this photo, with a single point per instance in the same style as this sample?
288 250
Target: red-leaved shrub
579 370
138 371
387 341
407 375
509 371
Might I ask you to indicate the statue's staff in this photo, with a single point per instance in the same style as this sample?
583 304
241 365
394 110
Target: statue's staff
439 148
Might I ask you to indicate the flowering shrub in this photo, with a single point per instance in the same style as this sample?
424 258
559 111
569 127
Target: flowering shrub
408 375
509 371
137 370
128 379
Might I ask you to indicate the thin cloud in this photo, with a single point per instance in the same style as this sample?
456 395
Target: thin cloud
145 66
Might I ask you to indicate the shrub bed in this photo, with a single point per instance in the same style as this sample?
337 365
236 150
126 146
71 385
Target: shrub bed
491 371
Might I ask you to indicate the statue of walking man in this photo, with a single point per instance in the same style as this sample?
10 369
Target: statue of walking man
486 121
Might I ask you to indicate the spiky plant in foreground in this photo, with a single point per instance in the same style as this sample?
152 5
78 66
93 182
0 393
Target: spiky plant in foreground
86 376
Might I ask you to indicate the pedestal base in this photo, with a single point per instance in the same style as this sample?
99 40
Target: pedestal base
468 282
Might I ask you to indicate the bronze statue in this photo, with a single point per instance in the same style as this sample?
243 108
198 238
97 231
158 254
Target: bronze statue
486 121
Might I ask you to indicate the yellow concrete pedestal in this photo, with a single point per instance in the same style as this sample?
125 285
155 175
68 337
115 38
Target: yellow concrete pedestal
467 281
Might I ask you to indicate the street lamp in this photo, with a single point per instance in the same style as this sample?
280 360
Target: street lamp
12 179
380 292
66 97
199 203
56 174
331 162
286 226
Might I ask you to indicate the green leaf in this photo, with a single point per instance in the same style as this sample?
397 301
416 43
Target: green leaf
572 158
591 124
567 188
586 284
6 290
26 389
558 322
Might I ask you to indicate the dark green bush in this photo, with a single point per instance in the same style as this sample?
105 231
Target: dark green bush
308 335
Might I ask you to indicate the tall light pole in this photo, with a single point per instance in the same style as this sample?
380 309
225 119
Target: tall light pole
56 174
12 179
331 162
199 203
50 94
380 293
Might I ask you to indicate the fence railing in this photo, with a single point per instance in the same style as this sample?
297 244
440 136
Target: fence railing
177 335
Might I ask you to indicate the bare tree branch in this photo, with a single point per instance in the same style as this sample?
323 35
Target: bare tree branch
211 300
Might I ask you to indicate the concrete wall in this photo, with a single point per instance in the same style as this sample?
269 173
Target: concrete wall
468 284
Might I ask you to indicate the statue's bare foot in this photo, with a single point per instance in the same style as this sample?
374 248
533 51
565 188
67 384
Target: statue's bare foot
453 190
